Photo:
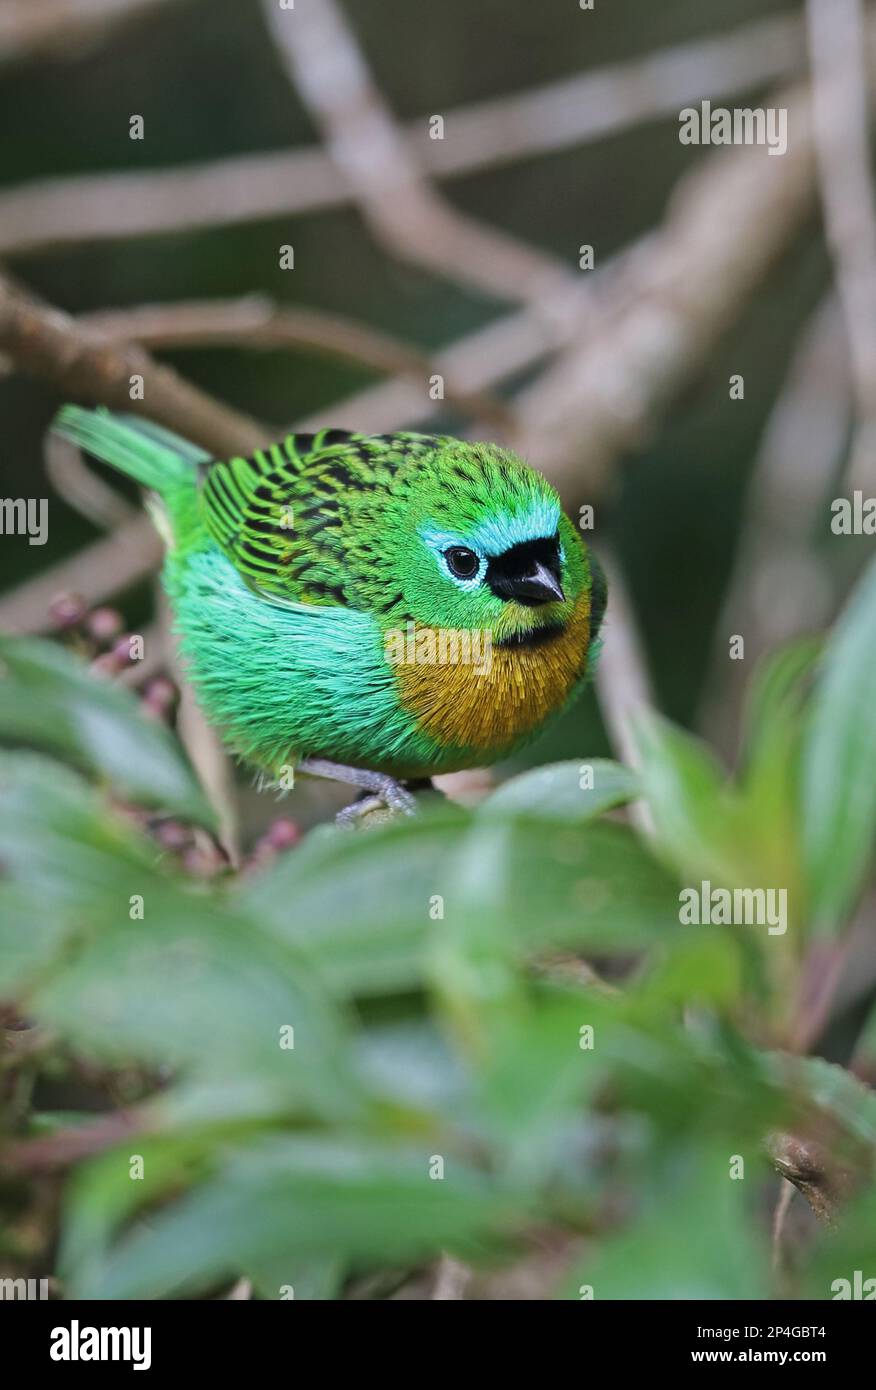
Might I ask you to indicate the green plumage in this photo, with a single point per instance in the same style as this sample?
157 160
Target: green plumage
301 518
288 571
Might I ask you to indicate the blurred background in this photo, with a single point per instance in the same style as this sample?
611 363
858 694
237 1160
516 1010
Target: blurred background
460 256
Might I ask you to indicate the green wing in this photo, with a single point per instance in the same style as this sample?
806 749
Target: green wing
284 515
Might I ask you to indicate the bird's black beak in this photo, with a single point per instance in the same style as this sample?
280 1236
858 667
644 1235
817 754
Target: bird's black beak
528 573
540 585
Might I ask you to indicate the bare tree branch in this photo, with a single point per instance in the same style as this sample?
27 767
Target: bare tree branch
727 222
47 343
593 105
51 26
483 358
250 188
255 322
324 61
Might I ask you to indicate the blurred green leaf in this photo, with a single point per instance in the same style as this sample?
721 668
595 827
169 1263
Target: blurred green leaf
727 836
71 863
101 1195
357 905
775 700
770 778
693 1235
702 965
549 887
49 700
318 1279
851 1103
696 821
192 985
363 908
843 1264
839 763
542 1067
555 793
294 1200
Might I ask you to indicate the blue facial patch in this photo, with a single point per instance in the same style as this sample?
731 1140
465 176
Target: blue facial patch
499 533
494 536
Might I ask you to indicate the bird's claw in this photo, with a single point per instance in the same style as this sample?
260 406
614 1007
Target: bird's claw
383 790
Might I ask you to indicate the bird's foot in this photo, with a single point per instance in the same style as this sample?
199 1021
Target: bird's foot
385 790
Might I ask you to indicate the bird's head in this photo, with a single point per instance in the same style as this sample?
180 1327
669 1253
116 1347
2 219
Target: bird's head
482 543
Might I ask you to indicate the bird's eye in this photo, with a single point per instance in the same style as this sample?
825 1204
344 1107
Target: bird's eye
462 562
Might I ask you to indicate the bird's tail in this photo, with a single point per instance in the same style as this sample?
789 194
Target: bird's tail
155 457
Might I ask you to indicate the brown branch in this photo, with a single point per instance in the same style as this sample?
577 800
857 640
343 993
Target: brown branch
95 573
483 358
592 105
52 26
727 222
255 322
250 188
450 1279
69 1146
315 43
47 343
780 1214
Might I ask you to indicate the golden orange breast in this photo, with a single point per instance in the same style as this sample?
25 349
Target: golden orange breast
476 694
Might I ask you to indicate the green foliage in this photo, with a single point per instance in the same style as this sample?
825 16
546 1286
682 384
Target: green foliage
48 700
457 1078
839 802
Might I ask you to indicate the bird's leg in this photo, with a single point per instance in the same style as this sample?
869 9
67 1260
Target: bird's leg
385 789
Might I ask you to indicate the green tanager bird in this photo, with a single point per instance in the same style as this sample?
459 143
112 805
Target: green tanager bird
373 608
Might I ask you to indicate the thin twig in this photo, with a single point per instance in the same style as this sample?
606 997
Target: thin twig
81 488
483 358
622 680
203 744
452 1278
102 569
783 1203
837 45
608 101
48 1152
